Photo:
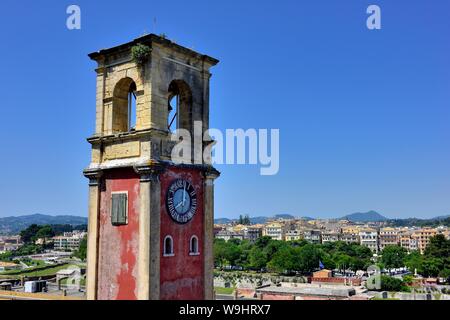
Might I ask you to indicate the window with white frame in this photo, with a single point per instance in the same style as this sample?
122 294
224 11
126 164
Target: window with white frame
168 247
193 246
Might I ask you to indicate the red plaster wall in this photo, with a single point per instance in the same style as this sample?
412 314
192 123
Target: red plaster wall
118 245
182 274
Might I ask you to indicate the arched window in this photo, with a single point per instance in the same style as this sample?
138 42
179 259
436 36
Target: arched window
168 246
193 246
179 106
172 121
124 106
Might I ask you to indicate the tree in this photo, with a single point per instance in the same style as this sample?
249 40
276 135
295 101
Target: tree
81 227
445 273
262 242
81 253
393 257
307 258
283 260
392 284
431 267
414 261
438 247
343 261
327 260
6 256
29 234
45 232
257 258
59 229
219 252
245 220
226 251
243 260
272 247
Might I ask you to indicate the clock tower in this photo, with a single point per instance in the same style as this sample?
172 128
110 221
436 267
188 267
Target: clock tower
150 232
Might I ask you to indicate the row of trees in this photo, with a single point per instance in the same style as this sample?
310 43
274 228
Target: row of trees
290 257
435 262
245 220
35 232
303 257
421 223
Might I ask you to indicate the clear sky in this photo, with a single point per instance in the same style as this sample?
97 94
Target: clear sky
364 116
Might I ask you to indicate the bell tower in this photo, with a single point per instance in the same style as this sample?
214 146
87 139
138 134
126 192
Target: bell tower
150 232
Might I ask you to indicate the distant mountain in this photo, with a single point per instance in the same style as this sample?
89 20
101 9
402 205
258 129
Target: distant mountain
13 225
371 216
284 216
222 221
259 220
440 217
414 222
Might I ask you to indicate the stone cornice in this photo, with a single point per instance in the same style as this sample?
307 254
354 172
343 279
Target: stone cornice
150 170
99 56
124 136
94 176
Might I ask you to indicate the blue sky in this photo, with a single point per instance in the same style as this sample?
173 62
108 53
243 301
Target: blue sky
364 116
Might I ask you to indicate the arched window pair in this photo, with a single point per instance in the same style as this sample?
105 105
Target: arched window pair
168 246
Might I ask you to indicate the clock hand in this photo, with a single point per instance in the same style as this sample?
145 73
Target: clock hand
181 203
184 193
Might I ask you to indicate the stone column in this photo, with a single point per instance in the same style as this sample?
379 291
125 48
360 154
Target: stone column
94 177
149 232
208 223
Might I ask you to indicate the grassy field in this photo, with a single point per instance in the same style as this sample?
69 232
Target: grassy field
33 272
220 290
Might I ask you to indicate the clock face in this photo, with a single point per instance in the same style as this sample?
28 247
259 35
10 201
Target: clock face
181 201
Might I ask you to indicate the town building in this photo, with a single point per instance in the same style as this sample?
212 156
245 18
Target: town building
313 236
275 230
227 235
293 235
217 229
69 241
388 237
330 237
406 241
369 238
352 229
252 233
7 266
10 243
349 238
423 237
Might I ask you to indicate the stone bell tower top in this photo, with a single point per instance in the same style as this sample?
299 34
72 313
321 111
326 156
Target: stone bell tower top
133 100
